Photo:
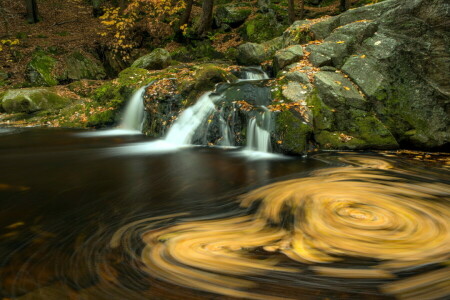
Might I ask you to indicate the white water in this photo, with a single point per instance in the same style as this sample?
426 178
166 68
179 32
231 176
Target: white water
133 116
183 129
258 137
255 74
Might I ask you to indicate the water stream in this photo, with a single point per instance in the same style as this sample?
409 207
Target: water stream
133 115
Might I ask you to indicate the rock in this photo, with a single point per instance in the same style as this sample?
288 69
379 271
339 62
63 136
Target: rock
251 54
364 72
335 49
272 46
77 66
297 33
299 77
292 134
286 57
158 59
323 29
317 58
40 70
32 100
358 31
208 75
337 125
262 28
338 91
295 92
230 15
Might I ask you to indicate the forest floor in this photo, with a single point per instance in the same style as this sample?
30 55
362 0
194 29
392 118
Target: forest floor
70 25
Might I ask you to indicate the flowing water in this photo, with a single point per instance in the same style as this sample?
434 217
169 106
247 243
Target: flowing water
133 116
80 222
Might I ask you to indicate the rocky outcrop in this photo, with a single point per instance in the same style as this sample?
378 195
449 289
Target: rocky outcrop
156 60
384 79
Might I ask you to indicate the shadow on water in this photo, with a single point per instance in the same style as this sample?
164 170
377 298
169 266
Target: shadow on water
202 223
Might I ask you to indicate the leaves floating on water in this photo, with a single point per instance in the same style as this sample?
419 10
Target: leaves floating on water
366 211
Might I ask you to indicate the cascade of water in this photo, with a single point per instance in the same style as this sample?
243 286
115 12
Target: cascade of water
254 74
133 116
258 135
183 129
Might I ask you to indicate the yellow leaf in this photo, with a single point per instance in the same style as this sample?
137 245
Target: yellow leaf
340 42
347 88
363 56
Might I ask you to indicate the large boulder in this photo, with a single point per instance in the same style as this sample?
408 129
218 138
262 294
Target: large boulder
156 60
32 100
251 54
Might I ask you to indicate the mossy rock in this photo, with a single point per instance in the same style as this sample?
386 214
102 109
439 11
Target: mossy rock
262 28
32 100
230 15
156 60
77 66
102 119
291 133
207 75
40 70
121 88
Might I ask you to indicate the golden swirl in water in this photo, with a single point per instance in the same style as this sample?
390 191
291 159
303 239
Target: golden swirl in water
334 213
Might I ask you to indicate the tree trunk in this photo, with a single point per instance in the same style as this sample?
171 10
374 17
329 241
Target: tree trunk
187 13
344 5
32 11
205 24
291 11
97 10
302 9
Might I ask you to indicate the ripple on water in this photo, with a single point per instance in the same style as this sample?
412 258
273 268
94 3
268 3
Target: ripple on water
390 220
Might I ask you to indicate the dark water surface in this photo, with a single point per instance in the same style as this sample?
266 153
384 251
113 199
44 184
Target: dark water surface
80 219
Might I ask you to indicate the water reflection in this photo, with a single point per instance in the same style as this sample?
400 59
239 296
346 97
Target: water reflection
79 223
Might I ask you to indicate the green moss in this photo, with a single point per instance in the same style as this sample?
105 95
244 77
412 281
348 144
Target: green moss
292 133
262 28
102 119
323 115
40 69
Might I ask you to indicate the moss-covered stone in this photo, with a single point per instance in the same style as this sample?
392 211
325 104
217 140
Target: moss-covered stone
262 28
102 119
32 100
230 15
156 60
40 70
77 66
291 133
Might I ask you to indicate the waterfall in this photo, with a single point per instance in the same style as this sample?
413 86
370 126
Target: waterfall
258 135
254 73
183 129
133 116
